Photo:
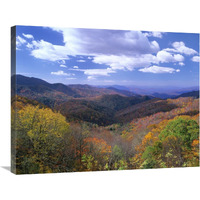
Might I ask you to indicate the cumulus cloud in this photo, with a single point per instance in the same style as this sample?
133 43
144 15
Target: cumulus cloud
165 57
29 36
62 73
159 70
156 34
196 58
125 62
47 51
108 42
137 61
123 50
181 63
179 47
119 50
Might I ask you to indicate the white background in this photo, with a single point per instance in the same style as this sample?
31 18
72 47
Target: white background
157 15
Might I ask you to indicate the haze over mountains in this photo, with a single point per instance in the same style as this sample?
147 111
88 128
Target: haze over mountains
26 85
156 91
84 90
99 105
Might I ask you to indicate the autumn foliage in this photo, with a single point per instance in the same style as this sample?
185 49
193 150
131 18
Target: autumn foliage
44 141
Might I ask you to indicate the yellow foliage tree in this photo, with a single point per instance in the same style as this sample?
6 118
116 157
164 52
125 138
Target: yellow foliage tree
39 135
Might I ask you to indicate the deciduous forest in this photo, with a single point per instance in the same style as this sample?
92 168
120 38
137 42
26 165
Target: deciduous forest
58 128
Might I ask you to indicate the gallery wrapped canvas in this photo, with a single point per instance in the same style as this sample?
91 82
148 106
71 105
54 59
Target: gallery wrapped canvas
99 100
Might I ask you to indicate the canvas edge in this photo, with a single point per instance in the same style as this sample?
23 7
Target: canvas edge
13 93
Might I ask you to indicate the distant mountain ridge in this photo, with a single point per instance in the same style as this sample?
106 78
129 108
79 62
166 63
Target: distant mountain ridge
194 94
50 94
98 105
163 95
157 91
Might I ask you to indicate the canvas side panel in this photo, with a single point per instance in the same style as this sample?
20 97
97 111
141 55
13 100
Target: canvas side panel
13 93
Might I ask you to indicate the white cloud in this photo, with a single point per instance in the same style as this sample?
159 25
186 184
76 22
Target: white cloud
178 58
137 61
29 36
71 78
29 46
157 34
91 77
154 34
181 63
80 60
94 73
166 57
19 41
63 66
108 42
196 58
62 73
47 51
158 70
120 50
62 62
98 72
125 62
179 47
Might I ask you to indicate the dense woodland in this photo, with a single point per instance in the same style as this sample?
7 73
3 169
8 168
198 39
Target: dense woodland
106 130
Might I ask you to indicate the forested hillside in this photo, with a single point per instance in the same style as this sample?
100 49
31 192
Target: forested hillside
99 110
54 94
100 131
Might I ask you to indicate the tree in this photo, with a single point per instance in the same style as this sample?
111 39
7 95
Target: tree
117 159
183 128
152 156
39 135
96 156
79 133
176 147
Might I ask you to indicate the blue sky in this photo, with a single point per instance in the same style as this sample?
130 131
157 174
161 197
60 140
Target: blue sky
108 57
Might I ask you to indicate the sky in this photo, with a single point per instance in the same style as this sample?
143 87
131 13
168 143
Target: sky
108 57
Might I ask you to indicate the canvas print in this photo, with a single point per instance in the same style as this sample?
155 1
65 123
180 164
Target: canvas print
100 100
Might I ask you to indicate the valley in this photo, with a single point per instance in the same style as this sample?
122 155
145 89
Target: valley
88 128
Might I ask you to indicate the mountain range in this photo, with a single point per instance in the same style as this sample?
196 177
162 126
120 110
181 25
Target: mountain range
99 105
48 93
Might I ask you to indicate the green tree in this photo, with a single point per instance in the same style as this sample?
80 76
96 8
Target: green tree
152 156
176 147
183 128
178 140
